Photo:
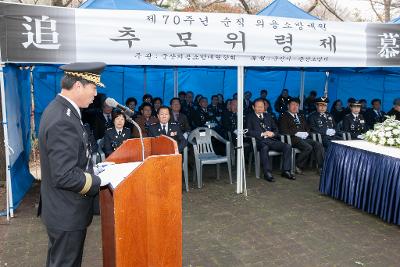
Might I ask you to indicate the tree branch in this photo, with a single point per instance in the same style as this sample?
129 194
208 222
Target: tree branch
245 6
212 3
375 11
333 12
313 6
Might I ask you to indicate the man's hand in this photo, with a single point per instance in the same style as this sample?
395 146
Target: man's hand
268 134
330 132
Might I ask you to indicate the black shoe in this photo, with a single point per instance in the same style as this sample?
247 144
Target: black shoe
268 176
299 171
288 175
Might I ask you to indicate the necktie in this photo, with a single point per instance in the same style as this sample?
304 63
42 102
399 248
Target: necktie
296 119
119 133
164 130
260 116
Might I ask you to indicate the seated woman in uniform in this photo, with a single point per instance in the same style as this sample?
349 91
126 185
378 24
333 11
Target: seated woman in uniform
114 136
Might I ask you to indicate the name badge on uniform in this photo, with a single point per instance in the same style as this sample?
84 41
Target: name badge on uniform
362 121
68 112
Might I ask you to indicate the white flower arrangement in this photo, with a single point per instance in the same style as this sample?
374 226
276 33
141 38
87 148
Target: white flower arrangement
386 133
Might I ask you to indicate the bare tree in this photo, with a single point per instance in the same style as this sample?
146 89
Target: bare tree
384 9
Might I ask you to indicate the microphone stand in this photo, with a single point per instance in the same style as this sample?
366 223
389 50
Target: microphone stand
129 119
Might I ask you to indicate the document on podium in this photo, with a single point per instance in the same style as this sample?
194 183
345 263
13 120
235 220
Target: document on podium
116 173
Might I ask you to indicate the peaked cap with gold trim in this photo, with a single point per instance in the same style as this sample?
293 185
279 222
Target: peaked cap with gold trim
322 99
89 71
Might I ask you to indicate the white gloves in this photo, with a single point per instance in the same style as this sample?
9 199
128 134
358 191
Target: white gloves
360 136
99 168
302 135
235 131
330 132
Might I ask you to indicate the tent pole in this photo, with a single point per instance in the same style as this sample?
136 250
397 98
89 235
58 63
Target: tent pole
144 80
301 96
326 84
240 182
9 198
175 81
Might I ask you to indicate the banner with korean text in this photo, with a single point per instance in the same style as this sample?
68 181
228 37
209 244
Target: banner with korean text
40 34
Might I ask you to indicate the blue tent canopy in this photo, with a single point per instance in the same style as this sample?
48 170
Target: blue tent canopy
120 4
283 8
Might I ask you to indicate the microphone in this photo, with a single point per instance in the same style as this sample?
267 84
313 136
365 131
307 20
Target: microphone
114 104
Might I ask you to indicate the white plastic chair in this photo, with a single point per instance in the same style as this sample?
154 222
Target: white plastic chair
200 139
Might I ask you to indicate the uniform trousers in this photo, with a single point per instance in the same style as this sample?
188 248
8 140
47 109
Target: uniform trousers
65 248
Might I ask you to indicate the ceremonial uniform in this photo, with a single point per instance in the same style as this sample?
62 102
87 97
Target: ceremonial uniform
281 104
203 115
257 125
216 110
229 121
294 123
68 185
354 124
113 139
172 130
322 123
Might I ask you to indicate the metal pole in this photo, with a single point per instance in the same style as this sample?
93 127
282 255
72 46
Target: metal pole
326 84
10 204
175 81
302 78
241 183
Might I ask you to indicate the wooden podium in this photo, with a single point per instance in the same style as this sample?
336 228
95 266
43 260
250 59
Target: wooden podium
141 218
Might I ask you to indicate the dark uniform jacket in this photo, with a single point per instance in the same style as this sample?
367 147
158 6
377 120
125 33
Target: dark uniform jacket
100 124
229 121
216 110
112 140
281 104
394 112
320 122
256 126
288 125
200 117
182 121
355 126
68 184
173 131
372 117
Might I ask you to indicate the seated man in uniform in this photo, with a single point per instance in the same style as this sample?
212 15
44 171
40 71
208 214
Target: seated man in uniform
229 119
114 136
354 122
203 114
322 122
262 127
165 127
294 124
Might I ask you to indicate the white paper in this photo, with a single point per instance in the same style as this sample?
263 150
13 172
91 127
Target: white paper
116 173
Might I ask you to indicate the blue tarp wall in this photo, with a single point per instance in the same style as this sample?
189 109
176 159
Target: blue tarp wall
17 89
